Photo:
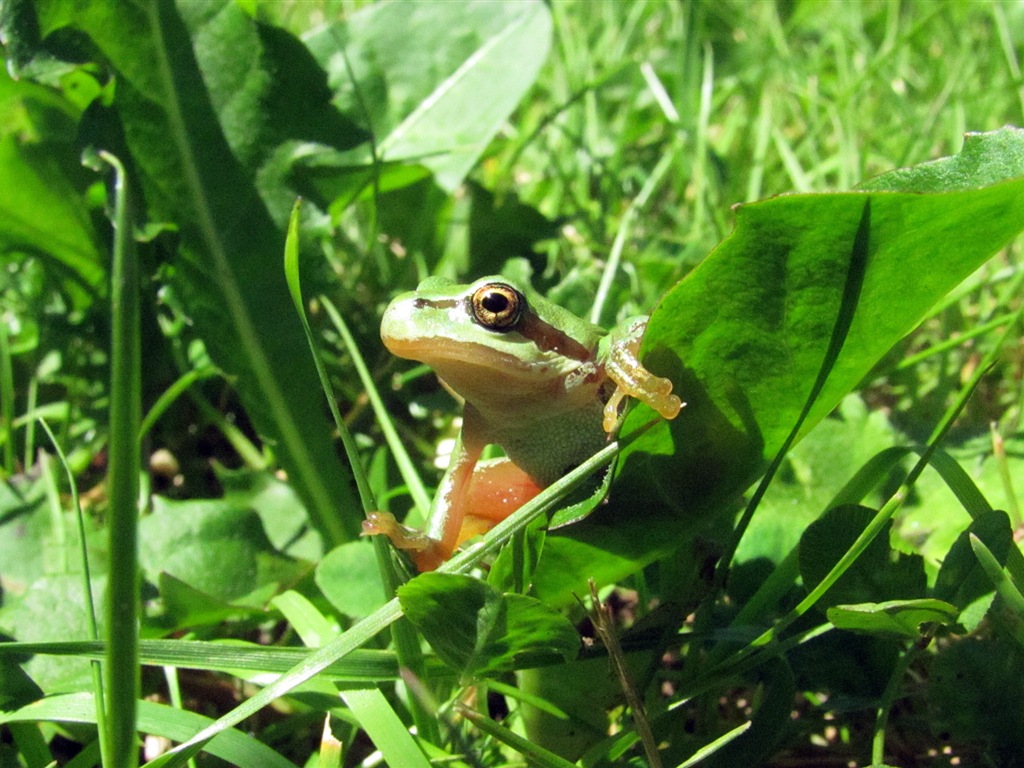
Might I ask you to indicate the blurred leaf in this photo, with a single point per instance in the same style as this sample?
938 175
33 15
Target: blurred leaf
53 606
188 608
383 725
42 210
216 547
904 618
879 574
962 580
479 631
350 578
16 687
504 228
973 698
279 507
25 528
433 81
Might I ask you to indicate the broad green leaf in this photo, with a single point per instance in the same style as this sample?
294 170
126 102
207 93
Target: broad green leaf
986 158
477 630
744 337
228 263
904 618
187 608
536 754
824 461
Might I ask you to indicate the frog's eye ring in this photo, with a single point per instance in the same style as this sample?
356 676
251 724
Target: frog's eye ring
498 306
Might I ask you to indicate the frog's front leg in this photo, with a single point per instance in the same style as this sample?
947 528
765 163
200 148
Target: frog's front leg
623 366
429 548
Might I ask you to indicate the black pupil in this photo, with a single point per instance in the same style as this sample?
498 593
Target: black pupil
495 302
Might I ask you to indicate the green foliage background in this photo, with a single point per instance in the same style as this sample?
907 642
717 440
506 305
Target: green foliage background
595 148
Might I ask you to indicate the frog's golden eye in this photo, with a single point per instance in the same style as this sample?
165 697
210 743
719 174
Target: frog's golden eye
498 306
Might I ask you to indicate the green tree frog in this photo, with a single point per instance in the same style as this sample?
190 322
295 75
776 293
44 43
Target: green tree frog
539 382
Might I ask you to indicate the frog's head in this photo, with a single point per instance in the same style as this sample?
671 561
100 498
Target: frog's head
488 336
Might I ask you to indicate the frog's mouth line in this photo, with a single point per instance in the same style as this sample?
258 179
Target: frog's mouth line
439 353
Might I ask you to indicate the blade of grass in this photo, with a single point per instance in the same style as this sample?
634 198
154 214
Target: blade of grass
955 341
702 171
889 697
31 746
384 727
709 749
625 228
406 643
31 401
122 667
6 399
235 747
360 666
311 665
58 531
601 616
172 393
331 749
1003 584
244 447
90 607
536 754
406 467
375 715
999 454
291 271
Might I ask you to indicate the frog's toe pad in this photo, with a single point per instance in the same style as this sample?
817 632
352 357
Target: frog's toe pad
385 524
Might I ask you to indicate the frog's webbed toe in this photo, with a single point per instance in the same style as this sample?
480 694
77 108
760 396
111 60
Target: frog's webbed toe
424 551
